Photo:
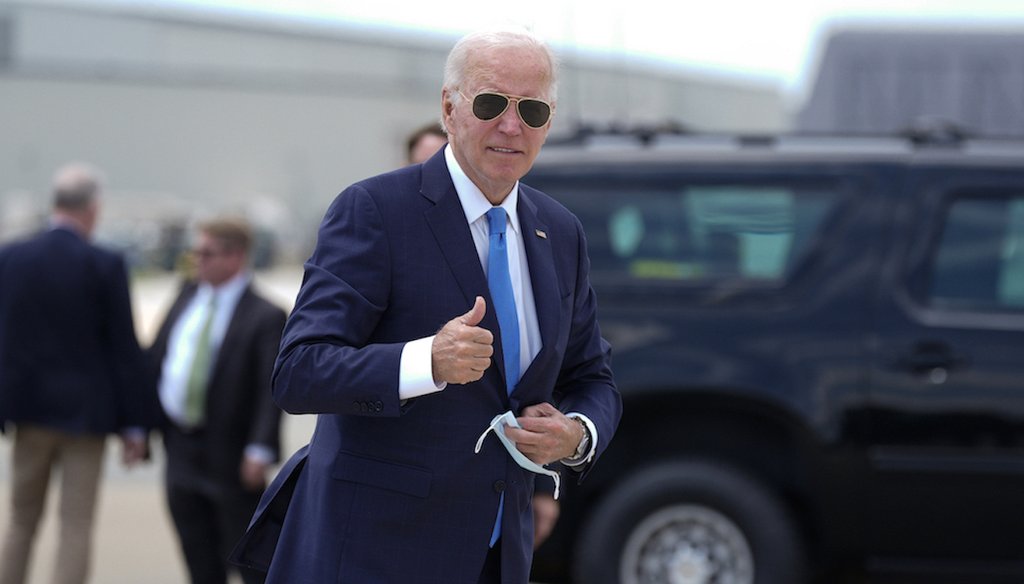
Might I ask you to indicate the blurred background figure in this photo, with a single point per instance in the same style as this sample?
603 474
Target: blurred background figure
423 143
70 373
214 354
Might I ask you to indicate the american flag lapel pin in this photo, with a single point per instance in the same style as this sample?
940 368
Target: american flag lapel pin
541 234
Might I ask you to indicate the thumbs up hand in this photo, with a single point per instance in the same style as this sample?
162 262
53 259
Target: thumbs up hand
462 351
475 314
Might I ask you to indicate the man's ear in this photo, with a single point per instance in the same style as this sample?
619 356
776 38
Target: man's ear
446 109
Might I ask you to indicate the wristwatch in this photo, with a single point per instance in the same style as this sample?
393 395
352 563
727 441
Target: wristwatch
584 446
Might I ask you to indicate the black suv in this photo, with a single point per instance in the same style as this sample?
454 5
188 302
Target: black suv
820 346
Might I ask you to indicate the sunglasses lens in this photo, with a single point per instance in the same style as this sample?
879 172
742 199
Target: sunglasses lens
488 106
534 112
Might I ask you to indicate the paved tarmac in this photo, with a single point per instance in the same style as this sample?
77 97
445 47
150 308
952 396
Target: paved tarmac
134 540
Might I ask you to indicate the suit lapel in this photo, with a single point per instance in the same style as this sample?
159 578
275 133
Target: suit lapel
544 280
447 221
163 336
234 331
238 316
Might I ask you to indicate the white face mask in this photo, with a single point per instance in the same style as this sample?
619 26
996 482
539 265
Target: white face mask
498 425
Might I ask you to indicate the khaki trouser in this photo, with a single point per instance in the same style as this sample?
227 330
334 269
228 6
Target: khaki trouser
80 458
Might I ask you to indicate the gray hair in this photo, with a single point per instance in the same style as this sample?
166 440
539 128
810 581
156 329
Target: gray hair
76 186
459 64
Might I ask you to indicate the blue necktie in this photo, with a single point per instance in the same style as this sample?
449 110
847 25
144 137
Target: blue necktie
500 284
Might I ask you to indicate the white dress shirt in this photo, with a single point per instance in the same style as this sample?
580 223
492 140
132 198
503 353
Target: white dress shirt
181 345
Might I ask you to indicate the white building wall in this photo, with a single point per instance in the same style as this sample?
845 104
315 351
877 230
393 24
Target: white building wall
191 116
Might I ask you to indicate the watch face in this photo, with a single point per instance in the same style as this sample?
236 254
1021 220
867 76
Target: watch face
584 444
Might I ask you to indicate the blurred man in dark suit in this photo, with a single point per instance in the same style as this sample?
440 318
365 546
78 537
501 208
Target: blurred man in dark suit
70 372
214 354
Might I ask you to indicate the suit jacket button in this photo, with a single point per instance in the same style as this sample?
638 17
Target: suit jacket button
378 406
499 486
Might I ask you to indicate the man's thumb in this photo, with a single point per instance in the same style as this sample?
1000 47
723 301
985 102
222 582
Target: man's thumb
475 314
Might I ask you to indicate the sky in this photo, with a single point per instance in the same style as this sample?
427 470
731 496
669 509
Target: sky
773 41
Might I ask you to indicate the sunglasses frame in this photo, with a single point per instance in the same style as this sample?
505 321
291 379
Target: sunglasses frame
508 101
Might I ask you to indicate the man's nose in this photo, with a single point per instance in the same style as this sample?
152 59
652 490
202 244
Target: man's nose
510 122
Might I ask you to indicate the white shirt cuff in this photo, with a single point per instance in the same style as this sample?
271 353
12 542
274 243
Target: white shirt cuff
593 442
259 453
133 433
416 370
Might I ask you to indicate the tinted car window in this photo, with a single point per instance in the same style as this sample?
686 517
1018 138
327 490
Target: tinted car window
979 262
697 232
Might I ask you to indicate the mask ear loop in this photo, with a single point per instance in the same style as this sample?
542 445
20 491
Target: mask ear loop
498 426
490 428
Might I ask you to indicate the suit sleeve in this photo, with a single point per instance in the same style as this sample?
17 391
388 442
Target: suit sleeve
266 427
136 404
585 383
329 362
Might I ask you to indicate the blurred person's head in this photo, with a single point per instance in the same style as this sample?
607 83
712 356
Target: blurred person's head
424 142
221 250
76 197
496 105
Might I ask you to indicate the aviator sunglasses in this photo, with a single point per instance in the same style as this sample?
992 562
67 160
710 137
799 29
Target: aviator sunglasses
489 105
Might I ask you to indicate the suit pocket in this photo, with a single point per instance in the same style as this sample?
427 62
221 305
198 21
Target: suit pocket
382 474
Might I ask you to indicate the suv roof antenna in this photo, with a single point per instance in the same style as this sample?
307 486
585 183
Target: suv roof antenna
935 131
644 133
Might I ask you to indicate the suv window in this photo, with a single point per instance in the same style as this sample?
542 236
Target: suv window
979 262
695 232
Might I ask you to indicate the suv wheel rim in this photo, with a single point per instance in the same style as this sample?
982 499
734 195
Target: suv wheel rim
687 544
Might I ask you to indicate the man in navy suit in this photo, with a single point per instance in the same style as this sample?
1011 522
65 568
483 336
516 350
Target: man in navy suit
422 144
395 342
71 372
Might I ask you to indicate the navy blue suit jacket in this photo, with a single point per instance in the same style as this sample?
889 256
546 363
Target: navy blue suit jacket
391 491
69 358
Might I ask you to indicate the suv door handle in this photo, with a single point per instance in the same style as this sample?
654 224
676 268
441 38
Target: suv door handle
928 356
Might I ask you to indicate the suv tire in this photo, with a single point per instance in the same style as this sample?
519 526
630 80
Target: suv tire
691 522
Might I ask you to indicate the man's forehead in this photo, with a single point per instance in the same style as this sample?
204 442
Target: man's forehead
497 60
205 237
496 76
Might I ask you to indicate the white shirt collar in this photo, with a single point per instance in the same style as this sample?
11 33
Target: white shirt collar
229 291
474 203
